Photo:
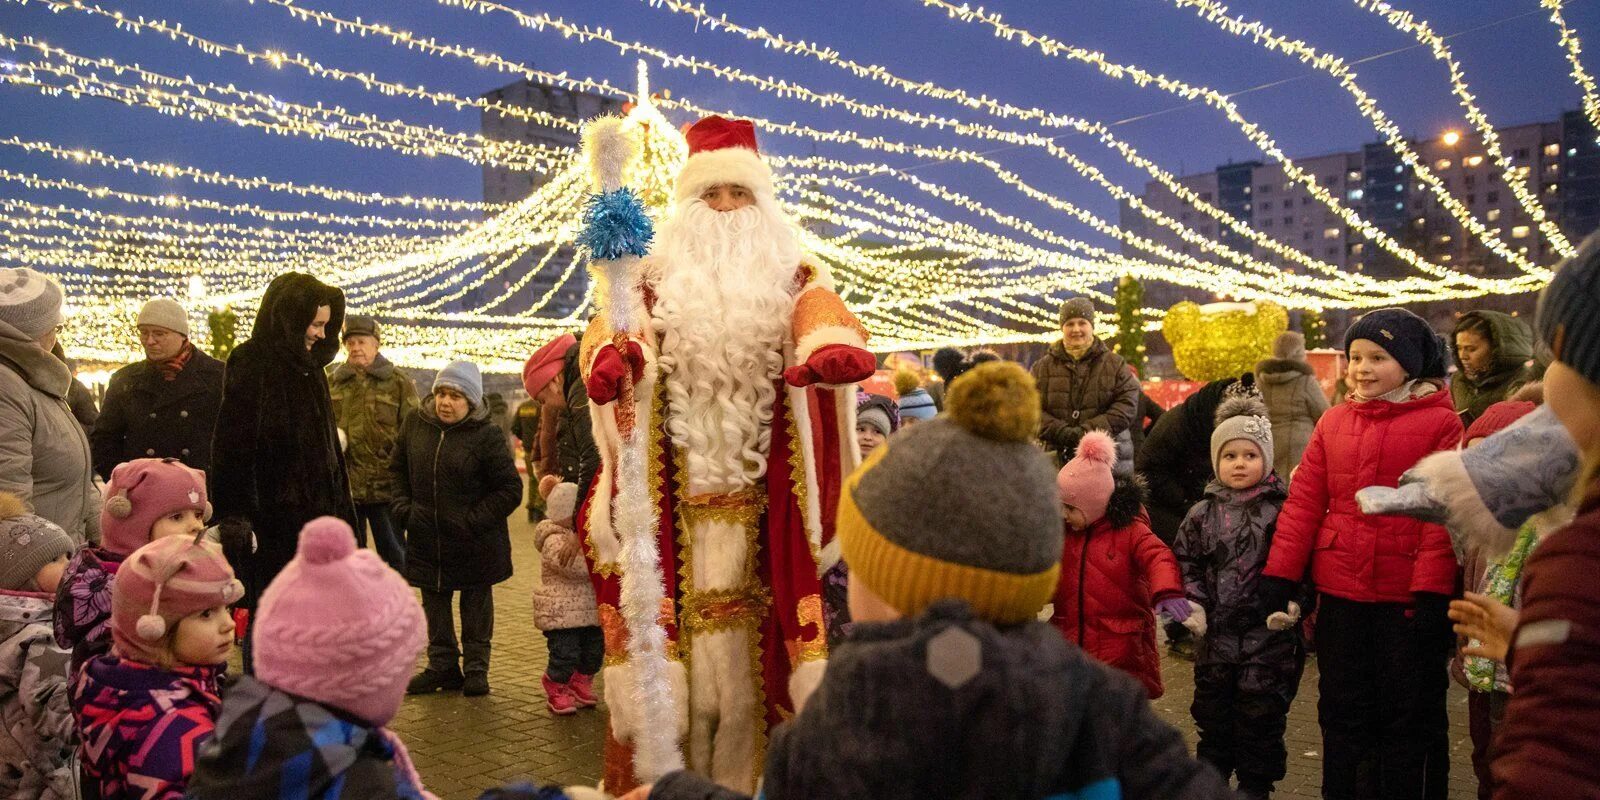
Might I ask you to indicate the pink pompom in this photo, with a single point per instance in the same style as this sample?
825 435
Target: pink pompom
325 540
1099 447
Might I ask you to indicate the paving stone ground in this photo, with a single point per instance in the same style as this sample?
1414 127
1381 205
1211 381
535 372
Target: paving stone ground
464 745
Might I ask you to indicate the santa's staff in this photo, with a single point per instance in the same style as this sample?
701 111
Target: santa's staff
616 235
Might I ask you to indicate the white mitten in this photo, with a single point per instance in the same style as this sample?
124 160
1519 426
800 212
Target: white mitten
1196 623
1284 620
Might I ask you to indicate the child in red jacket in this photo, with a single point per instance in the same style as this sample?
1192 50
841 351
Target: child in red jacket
1383 582
1113 566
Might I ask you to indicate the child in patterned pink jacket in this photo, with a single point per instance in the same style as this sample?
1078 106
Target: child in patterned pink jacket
564 605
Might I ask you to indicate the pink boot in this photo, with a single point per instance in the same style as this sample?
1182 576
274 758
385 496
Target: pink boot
582 687
558 697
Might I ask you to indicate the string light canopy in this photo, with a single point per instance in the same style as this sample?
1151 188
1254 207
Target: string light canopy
921 263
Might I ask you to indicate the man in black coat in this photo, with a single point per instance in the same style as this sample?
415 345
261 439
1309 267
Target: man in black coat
164 406
276 461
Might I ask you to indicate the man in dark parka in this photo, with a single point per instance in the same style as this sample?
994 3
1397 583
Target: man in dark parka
164 406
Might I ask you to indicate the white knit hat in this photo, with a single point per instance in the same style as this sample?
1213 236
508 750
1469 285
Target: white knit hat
164 312
29 301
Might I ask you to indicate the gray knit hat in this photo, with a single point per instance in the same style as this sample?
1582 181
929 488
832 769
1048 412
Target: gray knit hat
1077 308
1242 417
464 377
164 312
360 325
29 302
960 506
1567 322
27 543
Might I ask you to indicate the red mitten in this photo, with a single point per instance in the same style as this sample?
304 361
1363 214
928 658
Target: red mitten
835 364
605 377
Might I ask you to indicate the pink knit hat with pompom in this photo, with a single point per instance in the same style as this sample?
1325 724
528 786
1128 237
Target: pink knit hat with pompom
142 491
160 584
1085 483
338 626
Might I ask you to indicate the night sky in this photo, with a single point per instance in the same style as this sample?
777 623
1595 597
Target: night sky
1514 65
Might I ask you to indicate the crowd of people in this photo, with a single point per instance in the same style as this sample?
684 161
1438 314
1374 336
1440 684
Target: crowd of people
780 585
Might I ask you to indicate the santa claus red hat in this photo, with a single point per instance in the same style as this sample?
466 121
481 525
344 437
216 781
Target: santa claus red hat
723 151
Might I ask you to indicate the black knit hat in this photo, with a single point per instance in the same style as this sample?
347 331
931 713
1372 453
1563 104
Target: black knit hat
1567 321
1405 336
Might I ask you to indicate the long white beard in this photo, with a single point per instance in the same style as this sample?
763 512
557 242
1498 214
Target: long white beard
723 304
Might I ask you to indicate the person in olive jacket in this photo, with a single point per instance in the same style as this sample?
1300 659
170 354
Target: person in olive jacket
1083 386
370 398
164 406
455 484
1493 352
276 462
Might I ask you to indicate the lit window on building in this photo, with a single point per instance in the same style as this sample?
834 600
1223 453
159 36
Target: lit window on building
1552 188
1552 150
1358 248
1519 231
1354 175
1473 161
1356 194
1330 233
1443 163
1445 257
1493 215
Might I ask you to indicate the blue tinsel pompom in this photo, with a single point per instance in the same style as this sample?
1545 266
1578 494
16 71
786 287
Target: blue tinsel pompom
615 225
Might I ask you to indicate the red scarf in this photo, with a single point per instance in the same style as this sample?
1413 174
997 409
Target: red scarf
172 366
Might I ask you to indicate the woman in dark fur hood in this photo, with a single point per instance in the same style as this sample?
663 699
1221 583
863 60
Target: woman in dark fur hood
276 462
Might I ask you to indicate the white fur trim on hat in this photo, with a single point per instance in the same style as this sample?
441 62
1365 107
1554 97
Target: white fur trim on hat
736 166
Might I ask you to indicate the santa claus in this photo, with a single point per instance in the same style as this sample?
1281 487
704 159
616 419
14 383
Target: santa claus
741 388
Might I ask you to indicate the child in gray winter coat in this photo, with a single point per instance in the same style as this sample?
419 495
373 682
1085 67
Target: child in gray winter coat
36 738
1246 673
564 606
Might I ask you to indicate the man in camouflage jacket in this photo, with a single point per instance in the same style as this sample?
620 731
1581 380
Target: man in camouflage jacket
370 398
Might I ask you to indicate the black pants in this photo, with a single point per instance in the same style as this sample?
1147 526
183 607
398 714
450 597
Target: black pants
477 628
1486 712
1244 683
1383 693
580 650
385 536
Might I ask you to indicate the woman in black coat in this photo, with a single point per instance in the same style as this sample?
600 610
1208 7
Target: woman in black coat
276 463
455 484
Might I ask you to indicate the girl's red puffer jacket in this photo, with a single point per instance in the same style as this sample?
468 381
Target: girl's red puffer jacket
1369 559
1111 576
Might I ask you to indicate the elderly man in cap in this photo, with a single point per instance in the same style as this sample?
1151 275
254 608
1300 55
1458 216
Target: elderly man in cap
370 399
164 406
1084 386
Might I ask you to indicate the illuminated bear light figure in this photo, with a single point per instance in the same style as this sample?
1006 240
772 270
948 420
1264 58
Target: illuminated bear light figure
1221 340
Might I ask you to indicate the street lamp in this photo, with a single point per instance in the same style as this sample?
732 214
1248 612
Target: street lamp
1451 138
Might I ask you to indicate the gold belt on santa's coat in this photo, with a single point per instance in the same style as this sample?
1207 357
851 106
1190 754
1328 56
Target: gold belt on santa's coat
743 508
719 609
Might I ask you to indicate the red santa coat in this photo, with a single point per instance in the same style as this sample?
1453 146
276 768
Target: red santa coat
1368 559
1111 577
812 448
